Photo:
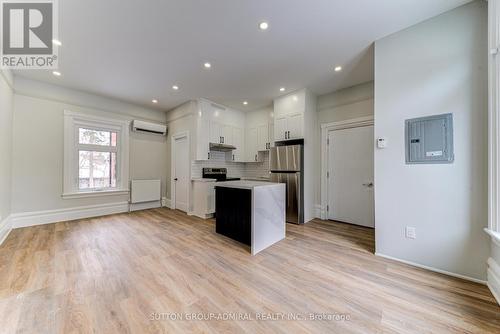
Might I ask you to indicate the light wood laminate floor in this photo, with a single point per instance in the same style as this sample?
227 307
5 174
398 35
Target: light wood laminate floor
125 273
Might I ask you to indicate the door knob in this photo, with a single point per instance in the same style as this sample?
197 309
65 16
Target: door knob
175 179
369 185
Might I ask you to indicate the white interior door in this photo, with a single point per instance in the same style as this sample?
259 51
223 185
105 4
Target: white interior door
350 181
181 173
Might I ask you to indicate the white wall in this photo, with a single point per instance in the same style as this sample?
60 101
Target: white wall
6 110
38 144
348 103
438 66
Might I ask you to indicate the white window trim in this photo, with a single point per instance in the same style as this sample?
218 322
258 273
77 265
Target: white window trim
71 122
494 120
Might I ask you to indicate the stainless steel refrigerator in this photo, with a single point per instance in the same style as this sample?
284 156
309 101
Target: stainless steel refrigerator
286 166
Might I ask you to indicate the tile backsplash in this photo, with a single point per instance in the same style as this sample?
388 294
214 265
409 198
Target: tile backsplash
234 169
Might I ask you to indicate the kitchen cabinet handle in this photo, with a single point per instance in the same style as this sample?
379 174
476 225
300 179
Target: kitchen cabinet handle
208 155
256 157
233 157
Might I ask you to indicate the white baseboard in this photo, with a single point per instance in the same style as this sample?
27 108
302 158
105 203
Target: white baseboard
145 206
319 212
52 216
166 202
494 278
5 228
207 216
472 279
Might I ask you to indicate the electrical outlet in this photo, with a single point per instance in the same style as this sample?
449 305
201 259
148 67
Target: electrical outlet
410 232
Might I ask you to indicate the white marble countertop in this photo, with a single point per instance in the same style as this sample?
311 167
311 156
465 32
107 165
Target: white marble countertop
246 184
257 178
200 179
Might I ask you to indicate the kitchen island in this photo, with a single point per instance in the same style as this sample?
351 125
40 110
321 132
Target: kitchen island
251 212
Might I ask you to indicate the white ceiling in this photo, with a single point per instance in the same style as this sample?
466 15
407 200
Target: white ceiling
136 50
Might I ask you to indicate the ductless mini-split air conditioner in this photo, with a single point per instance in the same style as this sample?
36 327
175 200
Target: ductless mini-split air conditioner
155 128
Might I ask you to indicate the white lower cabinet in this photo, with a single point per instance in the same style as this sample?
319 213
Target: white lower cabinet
203 198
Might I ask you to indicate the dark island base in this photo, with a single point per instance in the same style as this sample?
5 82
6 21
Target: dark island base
233 213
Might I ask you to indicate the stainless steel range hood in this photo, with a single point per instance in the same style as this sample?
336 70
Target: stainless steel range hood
221 147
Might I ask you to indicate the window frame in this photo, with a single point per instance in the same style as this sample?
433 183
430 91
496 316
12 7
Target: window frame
494 120
73 121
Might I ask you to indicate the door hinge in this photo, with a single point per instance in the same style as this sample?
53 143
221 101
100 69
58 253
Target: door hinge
327 208
328 141
327 174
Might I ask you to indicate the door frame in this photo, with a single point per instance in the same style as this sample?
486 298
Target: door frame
179 135
325 129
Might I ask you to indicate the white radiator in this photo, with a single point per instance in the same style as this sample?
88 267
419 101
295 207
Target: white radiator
145 194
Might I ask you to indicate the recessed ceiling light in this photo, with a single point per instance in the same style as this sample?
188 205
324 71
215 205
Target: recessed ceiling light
175 87
282 89
56 73
207 65
154 100
263 25
245 102
338 68
56 42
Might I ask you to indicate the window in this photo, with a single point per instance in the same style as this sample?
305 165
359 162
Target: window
95 155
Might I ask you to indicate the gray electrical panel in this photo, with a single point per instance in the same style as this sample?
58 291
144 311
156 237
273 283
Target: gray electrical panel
429 140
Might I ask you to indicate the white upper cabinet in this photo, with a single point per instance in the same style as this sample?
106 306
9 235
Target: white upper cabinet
262 137
219 125
295 125
252 144
289 116
238 139
227 134
280 128
215 132
271 135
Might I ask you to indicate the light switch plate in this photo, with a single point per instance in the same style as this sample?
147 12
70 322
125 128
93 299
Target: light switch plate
382 142
410 232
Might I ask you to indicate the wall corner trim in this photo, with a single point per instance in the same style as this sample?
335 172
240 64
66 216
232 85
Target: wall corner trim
34 218
5 228
494 278
319 212
440 271
166 202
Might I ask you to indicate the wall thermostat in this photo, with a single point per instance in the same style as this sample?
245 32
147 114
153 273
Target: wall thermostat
382 142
